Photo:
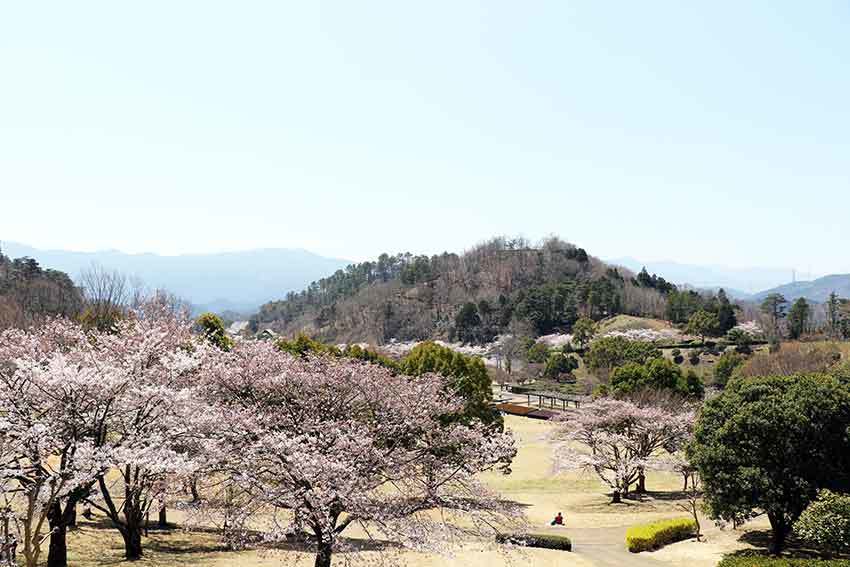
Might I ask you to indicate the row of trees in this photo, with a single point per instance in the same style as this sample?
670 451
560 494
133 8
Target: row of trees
799 319
315 444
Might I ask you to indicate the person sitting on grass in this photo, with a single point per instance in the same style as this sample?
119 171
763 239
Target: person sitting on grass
558 521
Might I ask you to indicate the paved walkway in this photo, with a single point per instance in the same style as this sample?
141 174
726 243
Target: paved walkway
606 547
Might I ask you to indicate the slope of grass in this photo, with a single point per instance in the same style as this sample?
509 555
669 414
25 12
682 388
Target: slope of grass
629 322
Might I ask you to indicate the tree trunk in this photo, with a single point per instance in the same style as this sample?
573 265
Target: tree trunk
132 543
57 555
780 530
616 498
162 522
641 483
71 514
193 488
323 555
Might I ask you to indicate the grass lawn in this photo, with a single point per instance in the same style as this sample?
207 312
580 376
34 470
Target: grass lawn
580 497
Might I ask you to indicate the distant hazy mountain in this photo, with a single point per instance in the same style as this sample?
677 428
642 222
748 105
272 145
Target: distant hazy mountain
229 281
739 282
817 290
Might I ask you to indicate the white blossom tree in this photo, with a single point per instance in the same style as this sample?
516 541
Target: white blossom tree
51 400
619 440
327 443
155 359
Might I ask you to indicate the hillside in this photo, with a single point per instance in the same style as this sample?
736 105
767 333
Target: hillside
230 281
817 290
29 292
501 285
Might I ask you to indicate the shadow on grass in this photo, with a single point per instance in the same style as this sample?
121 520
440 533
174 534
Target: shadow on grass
794 547
660 496
183 547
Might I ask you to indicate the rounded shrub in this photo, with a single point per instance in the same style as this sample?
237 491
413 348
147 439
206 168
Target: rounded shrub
825 524
652 536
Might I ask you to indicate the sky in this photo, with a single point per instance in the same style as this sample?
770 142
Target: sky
711 132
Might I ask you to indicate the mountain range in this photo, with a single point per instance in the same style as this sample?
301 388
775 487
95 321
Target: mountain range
242 281
816 290
230 281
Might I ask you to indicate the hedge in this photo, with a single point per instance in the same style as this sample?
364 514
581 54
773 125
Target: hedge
755 559
546 541
652 536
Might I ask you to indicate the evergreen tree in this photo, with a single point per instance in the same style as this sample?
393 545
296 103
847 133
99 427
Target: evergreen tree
467 323
774 306
798 318
726 319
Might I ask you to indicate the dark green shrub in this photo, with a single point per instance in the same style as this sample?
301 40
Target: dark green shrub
652 536
611 352
558 364
755 559
657 374
725 366
696 387
545 541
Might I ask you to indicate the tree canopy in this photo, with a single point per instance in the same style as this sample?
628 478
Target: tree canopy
656 374
467 377
770 444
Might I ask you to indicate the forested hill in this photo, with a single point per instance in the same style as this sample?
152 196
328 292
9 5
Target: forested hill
28 293
501 285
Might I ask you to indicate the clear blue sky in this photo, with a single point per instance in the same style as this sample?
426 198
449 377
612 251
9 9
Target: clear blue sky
711 132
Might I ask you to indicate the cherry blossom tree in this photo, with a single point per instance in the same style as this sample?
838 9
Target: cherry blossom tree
154 358
51 400
77 405
326 443
620 440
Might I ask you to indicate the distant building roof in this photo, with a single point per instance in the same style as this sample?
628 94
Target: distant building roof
237 327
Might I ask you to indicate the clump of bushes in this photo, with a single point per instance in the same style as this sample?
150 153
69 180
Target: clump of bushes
558 364
755 559
652 536
545 541
725 366
826 522
841 372
608 353
657 374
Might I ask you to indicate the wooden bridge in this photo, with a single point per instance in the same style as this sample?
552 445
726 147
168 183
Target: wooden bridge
552 400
